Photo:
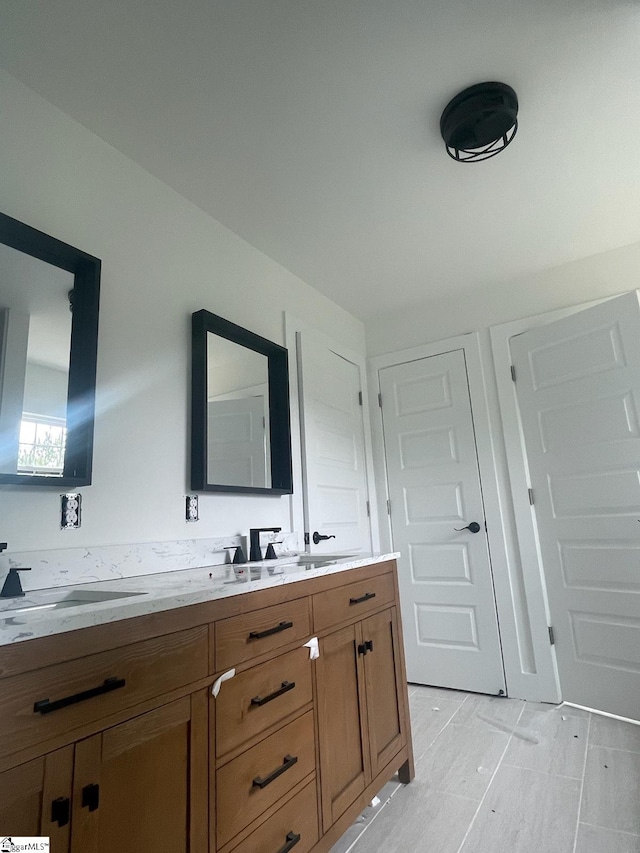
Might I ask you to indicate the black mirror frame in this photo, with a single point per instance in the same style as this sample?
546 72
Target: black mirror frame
203 322
81 391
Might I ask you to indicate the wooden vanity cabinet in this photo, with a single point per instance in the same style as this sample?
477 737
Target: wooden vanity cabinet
284 758
35 798
361 716
141 784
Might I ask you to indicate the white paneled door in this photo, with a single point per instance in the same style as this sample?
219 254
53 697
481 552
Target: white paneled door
578 390
237 442
437 519
335 476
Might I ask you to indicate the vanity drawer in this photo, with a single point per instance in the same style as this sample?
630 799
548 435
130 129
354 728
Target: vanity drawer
241 638
49 702
351 602
255 780
260 697
298 818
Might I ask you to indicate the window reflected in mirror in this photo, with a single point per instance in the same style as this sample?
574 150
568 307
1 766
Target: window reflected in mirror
238 446
35 342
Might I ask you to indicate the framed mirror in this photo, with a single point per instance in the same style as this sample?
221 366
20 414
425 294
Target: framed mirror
49 297
240 431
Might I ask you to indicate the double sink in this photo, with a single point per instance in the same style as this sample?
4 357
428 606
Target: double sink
41 601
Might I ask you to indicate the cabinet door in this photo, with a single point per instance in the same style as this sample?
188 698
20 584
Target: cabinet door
143 784
384 689
35 799
344 760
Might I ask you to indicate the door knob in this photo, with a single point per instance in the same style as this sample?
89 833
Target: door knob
474 527
318 537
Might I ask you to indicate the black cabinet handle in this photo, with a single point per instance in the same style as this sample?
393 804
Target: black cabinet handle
90 797
366 597
44 706
291 841
365 647
289 761
60 811
281 626
262 700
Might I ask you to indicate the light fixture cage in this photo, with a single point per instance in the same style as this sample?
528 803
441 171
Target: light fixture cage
475 155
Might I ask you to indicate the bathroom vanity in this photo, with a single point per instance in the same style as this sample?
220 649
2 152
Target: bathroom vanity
111 737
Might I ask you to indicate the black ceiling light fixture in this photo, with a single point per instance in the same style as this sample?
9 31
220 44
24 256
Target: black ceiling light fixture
480 122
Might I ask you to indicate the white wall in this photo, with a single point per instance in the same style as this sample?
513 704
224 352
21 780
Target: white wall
163 258
581 281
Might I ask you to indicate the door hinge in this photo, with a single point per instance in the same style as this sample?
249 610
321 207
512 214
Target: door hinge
530 496
388 507
360 397
380 400
552 636
306 538
513 372
368 509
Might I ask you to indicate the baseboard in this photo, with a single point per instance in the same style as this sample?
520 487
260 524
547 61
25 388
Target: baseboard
601 713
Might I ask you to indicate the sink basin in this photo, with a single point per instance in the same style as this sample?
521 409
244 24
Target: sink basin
42 600
321 558
306 561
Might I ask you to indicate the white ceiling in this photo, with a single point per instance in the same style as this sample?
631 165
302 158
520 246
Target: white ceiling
310 127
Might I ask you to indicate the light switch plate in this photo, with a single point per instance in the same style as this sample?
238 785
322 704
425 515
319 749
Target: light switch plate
70 511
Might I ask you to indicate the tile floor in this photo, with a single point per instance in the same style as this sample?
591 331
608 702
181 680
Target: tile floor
497 775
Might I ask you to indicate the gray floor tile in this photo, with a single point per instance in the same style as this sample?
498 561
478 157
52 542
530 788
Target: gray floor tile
504 711
363 821
526 812
462 760
428 717
561 747
614 733
611 795
592 839
437 692
419 820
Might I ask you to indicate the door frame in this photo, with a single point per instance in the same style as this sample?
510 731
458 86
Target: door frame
493 504
293 325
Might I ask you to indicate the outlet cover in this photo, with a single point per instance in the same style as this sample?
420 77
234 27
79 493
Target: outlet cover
70 511
191 508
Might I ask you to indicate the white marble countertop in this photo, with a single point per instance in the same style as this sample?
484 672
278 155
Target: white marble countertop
153 593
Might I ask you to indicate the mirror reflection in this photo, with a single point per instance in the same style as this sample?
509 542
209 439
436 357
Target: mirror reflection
238 442
35 340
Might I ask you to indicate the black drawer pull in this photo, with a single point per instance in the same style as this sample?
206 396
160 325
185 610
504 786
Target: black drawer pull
291 841
281 626
60 810
90 797
262 700
289 761
44 706
366 597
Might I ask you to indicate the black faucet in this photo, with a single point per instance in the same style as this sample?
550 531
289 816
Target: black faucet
255 552
12 588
